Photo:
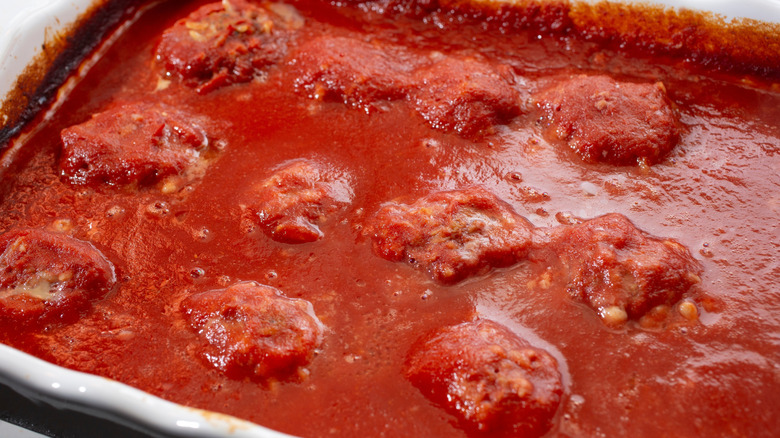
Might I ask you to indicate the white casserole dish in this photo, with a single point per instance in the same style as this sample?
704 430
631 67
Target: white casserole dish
24 29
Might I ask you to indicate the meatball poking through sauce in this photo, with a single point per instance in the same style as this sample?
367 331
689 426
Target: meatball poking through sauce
453 235
134 144
620 271
603 120
494 382
358 73
465 95
228 42
252 330
49 277
291 205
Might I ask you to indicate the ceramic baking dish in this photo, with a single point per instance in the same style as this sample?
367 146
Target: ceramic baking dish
27 31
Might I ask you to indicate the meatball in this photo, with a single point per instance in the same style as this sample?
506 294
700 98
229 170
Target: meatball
356 72
48 277
452 235
290 205
493 381
227 42
252 330
620 271
604 120
465 95
133 144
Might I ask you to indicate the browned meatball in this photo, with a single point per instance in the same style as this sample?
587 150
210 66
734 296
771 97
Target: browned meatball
452 235
135 143
227 42
620 271
465 95
492 380
252 330
46 277
615 122
356 72
291 204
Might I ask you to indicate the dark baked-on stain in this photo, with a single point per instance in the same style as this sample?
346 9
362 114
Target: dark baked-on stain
60 55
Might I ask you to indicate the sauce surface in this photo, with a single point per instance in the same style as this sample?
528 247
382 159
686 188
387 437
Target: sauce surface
716 193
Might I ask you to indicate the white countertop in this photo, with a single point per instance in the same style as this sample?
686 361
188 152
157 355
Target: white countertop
8 430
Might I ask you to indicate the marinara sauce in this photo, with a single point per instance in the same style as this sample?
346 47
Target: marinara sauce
392 219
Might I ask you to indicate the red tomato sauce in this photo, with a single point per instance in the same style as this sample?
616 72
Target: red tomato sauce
367 222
